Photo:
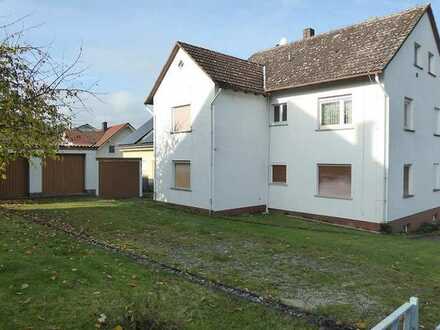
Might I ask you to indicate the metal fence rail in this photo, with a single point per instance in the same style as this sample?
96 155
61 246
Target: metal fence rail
406 315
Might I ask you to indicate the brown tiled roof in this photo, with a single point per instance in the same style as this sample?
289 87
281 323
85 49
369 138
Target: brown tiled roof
112 130
79 137
92 138
352 51
227 71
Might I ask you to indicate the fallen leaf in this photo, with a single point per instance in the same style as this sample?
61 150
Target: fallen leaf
118 327
102 318
24 286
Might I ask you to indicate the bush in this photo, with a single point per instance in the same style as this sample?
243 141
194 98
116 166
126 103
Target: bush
428 227
386 228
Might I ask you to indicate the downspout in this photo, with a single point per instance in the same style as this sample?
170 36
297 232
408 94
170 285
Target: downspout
268 142
386 149
212 153
152 113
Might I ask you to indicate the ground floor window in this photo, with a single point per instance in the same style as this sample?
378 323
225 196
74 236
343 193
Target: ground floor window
279 173
334 180
182 174
436 176
408 181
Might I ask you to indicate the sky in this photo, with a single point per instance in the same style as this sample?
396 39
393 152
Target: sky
126 43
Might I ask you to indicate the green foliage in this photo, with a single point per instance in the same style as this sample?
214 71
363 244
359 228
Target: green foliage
428 227
36 99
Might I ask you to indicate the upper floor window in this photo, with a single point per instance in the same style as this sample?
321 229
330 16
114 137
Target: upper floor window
417 48
279 114
111 149
408 114
335 112
181 119
431 63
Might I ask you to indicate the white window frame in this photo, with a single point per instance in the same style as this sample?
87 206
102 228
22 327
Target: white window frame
436 170
181 161
410 181
341 99
283 109
172 119
431 64
409 126
271 174
437 121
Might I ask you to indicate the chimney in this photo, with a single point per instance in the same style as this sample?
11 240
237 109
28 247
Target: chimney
104 126
308 33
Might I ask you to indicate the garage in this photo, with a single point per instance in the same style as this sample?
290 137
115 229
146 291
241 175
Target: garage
120 177
64 175
16 183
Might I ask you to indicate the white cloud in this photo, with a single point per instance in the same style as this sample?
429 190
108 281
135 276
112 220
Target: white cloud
114 108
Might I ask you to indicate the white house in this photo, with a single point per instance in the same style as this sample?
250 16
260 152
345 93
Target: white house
342 126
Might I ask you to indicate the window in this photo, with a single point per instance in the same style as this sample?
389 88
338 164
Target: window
431 63
335 113
334 181
437 121
181 119
111 149
408 181
436 186
182 174
408 114
279 174
279 114
416 55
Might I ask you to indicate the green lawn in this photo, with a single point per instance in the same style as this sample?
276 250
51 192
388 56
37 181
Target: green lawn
354 276
49 281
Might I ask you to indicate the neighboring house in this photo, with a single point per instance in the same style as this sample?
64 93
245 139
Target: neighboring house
106 139
343 126
139 144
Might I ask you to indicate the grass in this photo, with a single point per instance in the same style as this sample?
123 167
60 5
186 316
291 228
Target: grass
355 276
50 281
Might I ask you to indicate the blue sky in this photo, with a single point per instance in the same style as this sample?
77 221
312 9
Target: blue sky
125 43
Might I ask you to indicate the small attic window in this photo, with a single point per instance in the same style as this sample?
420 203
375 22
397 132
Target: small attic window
181 64
417 48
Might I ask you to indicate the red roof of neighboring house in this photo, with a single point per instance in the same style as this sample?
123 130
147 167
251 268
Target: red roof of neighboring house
93 138
112 130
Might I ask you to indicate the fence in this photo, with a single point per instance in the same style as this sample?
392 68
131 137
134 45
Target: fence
406 317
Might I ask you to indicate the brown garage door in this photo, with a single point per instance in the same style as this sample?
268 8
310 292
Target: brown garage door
119 178
16 183
64 175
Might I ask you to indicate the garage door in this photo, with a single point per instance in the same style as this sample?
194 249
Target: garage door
64 175
16 183
119 178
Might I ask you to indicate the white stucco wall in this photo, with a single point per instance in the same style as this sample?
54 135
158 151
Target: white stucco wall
241 136
115 140
181 86
420 148
302 146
